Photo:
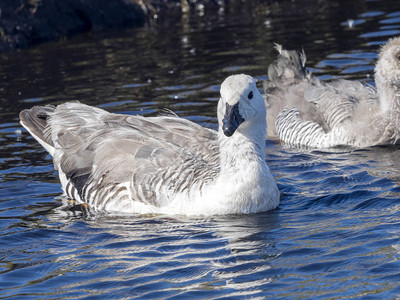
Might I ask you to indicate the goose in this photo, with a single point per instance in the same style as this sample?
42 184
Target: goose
306 112
164 164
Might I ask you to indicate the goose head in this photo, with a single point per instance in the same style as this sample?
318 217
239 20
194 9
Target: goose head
387 72
241 107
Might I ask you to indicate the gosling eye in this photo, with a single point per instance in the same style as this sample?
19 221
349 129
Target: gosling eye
250 95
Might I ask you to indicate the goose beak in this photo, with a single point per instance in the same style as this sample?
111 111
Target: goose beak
231 120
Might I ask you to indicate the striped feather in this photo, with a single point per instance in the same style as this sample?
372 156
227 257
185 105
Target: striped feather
304 111
162 164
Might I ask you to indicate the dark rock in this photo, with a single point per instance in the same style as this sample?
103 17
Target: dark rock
27 22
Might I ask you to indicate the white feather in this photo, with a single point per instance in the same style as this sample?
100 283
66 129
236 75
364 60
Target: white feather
165 164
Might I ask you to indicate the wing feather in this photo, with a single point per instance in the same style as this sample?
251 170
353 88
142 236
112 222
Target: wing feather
338 100
99 151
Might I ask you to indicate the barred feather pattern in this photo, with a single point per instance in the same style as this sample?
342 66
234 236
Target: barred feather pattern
152 174
293 131
156 188
163 164
305 111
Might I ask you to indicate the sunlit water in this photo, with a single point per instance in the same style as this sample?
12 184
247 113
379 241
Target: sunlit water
336 233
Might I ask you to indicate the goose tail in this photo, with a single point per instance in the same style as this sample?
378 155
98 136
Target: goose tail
290 66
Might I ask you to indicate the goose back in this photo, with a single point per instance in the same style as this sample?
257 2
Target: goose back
129 154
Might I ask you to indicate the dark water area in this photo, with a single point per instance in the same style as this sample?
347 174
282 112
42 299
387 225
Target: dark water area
336 233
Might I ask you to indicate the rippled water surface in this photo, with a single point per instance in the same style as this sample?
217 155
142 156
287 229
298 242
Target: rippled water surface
336 233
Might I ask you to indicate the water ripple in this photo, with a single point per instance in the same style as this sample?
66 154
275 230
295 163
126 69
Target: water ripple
335 233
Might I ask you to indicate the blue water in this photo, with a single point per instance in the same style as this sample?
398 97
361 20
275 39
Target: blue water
336 233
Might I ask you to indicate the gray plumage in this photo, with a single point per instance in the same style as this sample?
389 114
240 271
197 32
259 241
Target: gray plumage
303 111
162 164
90 136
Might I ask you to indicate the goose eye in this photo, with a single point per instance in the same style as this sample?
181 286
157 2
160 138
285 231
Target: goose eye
250 96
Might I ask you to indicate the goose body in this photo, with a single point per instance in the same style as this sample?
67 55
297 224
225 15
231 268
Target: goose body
304 111
165 164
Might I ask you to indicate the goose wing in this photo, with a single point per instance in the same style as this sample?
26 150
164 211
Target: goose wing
98 151
338 100
325 114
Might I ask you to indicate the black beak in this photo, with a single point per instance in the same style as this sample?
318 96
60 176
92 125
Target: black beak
232 119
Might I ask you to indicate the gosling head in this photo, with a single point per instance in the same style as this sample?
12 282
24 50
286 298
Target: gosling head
241 107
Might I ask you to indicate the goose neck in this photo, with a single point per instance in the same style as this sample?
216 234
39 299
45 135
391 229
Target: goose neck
390 98
388 90
238 151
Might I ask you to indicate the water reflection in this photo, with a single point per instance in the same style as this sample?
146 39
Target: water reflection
133 254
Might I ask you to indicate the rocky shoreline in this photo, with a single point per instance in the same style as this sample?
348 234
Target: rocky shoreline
27 22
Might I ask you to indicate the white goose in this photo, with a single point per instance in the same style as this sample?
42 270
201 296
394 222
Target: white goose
164 164
302 111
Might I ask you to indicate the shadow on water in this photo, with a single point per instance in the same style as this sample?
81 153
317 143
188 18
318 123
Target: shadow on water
335 233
